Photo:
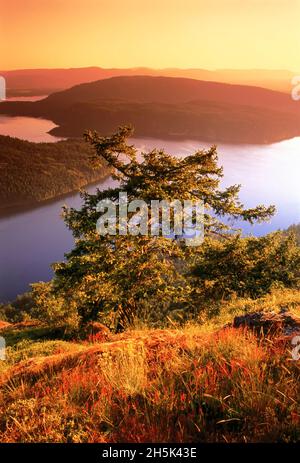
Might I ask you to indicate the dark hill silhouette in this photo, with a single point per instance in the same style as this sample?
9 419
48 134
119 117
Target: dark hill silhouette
169 107
45 81
145 89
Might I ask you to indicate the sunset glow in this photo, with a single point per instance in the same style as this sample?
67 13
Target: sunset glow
169 33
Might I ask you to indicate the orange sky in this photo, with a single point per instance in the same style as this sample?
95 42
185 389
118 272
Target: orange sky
155 33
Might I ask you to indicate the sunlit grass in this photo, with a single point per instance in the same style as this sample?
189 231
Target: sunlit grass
187 384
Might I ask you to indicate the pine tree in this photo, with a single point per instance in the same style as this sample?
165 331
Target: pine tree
117 277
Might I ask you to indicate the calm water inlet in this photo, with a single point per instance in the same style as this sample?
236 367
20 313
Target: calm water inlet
32 240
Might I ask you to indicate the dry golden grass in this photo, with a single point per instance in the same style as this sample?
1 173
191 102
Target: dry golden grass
183 385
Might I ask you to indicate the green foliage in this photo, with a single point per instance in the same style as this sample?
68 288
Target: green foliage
27 348
52 309
294 229
118 278
15 334
19 310
247 267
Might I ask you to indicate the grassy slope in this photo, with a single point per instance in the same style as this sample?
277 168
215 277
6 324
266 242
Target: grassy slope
34 172
199 383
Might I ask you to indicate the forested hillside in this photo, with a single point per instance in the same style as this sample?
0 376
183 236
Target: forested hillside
165 107
34 172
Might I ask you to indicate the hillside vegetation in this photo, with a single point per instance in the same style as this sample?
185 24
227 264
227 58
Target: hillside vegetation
35 172
143 338
201 383
296 230
166 107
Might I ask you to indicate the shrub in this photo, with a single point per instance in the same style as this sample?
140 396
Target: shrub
247 267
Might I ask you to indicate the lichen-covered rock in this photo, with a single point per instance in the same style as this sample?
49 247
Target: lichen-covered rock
282 323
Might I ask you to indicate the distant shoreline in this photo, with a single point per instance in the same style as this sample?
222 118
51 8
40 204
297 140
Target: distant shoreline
59 131
168 108
13 210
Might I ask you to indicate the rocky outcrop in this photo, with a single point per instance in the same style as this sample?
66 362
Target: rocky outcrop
281 323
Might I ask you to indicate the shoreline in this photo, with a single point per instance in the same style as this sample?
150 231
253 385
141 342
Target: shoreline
17 209
59 131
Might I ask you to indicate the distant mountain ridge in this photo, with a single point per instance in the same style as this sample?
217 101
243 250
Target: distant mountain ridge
45 81
167 107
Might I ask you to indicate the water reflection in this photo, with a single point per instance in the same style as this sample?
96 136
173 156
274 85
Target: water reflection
31 241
